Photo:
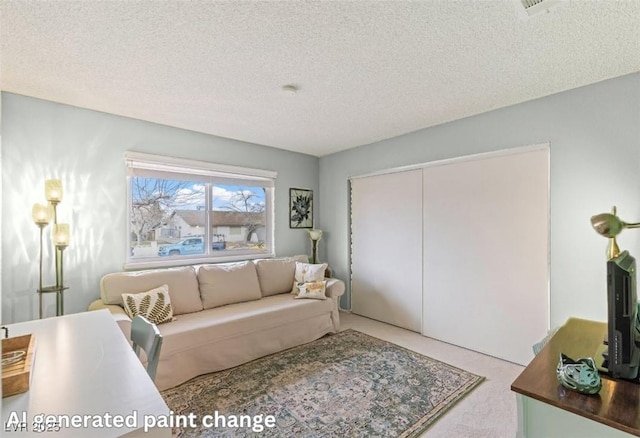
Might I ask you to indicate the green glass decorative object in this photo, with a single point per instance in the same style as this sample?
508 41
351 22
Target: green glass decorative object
579 375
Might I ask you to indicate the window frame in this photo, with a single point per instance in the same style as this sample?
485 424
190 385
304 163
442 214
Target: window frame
156 166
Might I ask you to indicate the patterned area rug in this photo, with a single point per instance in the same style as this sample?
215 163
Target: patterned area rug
344 385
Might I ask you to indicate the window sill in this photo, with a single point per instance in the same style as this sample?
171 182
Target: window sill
145 263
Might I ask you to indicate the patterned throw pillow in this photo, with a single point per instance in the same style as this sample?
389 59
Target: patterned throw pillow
154 305
314 290
307 273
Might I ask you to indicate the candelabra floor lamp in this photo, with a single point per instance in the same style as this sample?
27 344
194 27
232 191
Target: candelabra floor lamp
42 214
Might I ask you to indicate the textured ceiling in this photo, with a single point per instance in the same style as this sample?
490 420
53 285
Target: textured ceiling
365 70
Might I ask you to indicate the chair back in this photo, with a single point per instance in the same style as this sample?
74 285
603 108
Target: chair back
145 335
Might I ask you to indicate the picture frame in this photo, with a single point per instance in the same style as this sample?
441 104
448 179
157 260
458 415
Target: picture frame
300 208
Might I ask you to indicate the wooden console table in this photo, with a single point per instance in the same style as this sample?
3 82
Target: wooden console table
544 404
84 368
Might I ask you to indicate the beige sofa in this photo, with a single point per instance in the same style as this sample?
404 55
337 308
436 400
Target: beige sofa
225 314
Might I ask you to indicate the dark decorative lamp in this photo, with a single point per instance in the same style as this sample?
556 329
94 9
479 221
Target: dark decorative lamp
60 237
315 236
620 352
609 225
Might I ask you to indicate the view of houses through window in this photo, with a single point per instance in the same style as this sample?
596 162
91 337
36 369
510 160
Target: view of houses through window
174 218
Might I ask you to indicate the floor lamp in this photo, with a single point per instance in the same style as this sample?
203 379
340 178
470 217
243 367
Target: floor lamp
60 236
314 235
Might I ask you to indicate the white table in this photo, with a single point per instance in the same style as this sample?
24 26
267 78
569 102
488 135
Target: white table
84 368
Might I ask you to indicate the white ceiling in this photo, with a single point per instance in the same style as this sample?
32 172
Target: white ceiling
365 70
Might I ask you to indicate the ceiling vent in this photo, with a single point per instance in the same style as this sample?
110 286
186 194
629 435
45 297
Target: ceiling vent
534 7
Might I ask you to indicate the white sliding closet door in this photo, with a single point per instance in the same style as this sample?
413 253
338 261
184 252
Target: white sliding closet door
486 234
386 251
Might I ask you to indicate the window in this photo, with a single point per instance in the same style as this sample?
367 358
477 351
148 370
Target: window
185 211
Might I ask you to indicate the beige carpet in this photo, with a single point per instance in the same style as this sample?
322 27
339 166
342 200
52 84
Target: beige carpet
489 411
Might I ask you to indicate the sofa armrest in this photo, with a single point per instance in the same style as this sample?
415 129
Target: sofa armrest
119 315
113 308
335 287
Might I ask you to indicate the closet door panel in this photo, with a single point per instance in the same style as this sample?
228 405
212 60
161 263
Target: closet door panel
386 256
486 234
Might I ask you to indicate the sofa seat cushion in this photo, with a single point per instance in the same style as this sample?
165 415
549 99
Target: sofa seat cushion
237 320
228 283
182 282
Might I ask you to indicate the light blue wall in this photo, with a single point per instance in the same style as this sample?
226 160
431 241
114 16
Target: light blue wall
594 133
85 149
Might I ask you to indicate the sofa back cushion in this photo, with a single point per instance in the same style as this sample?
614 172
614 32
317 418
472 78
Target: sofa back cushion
182 282
228 283
275 275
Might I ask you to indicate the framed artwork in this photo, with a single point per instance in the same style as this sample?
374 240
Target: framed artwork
300 208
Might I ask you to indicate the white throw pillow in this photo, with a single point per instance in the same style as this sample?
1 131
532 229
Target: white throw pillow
314 290
155 305
306 273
